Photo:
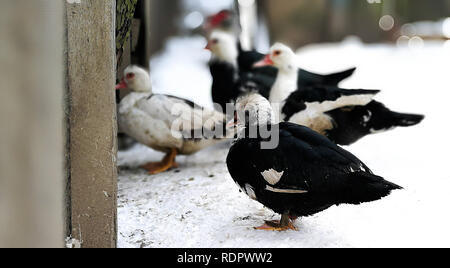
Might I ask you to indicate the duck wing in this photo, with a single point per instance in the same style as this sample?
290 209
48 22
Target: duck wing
321 99
247 59
307 78
186 119
355 122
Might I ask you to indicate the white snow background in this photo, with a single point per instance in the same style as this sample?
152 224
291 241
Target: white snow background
198 205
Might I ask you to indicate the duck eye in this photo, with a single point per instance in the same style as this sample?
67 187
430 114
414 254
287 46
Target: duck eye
130 76
215 41
277 53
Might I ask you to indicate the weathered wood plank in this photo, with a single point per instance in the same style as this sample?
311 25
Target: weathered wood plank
93 128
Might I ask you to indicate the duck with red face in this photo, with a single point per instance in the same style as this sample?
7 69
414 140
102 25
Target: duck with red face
166 123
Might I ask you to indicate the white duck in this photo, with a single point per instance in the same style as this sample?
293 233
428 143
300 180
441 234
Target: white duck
165 123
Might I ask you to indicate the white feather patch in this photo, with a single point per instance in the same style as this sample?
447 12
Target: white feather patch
313 116
285 84
250 192
343 101
374 131
272 176
367 118
285 191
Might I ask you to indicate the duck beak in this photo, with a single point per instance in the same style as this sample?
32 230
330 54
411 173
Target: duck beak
208 46
122 85
234 122
267 61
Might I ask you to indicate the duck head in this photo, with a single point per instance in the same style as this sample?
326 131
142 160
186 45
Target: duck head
253 110
223 46
136 79
281 57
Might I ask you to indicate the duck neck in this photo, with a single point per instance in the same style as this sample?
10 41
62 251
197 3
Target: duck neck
228 55
260 131
285 84
130 101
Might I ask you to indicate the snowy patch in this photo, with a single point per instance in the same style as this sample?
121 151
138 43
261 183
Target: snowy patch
72 243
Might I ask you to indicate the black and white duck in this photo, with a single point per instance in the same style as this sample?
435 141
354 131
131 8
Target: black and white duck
345 116
304 174
223 68
230 79
229 82
227 21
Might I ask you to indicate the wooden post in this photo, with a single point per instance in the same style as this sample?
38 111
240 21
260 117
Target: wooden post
31 112
91 77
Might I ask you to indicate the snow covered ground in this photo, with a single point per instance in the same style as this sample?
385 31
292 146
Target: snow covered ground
198 205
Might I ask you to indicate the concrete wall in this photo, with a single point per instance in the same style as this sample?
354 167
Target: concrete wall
31 115
93 127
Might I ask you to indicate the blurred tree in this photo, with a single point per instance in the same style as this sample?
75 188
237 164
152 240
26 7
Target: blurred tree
301 22
164 19
124 18
417 10
295 22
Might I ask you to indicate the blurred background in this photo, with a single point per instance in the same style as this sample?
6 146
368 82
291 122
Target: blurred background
301 22
176 41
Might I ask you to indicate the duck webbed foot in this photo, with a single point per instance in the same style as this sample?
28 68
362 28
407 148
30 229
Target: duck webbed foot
284 224
166 163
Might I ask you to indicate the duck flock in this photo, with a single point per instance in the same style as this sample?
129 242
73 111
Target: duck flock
287 125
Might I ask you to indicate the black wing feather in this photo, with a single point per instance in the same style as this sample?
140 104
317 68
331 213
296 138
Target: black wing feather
247 59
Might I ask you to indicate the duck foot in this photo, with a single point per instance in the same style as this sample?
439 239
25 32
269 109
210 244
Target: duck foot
285 224
166 163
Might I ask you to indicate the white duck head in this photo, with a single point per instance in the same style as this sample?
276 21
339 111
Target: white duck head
281 57
136 79
223 45
252 110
